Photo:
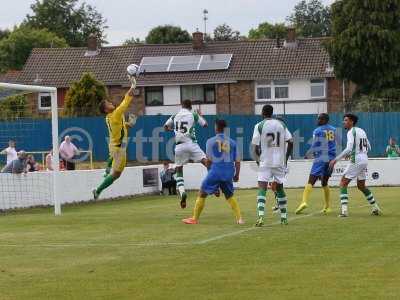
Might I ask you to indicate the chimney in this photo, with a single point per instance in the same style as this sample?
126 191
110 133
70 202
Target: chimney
291 41
93 47
198 40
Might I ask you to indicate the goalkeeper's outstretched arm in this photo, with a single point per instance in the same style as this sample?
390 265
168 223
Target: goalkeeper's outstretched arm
123 107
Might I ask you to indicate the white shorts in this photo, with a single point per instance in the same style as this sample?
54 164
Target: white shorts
268 174
357 170
188 151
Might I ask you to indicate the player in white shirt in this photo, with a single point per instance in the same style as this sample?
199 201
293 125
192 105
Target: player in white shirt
273 144
10 152
357 149
186 148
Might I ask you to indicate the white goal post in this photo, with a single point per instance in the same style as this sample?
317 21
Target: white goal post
54 127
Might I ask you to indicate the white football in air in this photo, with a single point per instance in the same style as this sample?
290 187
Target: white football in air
133 69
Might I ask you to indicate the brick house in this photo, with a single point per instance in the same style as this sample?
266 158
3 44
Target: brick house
293 75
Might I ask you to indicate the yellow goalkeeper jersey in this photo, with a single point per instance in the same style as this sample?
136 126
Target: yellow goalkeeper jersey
117 129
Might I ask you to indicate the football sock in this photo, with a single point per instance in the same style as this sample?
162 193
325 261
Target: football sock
180 182
235 207
108 166
369 196
282 202
261 197
105 184
327 196
198 207
306 193
344 199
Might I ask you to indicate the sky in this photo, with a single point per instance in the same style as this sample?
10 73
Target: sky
134 18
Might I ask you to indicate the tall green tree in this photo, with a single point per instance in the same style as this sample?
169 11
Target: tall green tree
4 33
16 48
14 107
68 20
168 34
365 45
268 31
311 18
84 96
132 41
224 32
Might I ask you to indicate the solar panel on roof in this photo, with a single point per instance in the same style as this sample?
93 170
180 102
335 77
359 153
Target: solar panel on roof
155 64
215 62
164 64
184 63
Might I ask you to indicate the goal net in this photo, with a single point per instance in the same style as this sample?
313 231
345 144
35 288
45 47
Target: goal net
29 160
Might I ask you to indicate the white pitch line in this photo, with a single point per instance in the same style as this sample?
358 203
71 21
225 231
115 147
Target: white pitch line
65 245
238 232
161 244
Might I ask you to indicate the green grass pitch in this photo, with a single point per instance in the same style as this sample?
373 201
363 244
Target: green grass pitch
138 248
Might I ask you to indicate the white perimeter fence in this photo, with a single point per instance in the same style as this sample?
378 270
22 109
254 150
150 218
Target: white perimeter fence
76 186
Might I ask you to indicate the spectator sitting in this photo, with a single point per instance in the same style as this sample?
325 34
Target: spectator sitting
392 150
31 164
17 166
67 153
10 152
167 179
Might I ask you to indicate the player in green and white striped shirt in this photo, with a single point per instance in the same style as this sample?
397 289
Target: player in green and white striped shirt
357 148
186 148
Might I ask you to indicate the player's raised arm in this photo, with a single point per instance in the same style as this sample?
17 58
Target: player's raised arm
200 119
169 125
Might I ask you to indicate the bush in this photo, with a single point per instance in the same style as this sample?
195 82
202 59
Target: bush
84 96
14 107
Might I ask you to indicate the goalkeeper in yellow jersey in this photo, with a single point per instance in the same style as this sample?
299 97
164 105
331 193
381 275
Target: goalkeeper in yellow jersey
118 137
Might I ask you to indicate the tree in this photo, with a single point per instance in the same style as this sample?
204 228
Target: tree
16 48
14 107
84 96
132 41
68 20
365 47
4 33
168 34
224 32
268 31
311 18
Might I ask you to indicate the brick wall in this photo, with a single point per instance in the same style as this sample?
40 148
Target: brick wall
117 93
335 94
236 98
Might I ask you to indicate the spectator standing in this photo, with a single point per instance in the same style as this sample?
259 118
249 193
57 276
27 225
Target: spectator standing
167 179
49 161
17 166
67 153
392 150
10 152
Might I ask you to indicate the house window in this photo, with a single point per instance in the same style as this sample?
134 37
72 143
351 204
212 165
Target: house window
154 95
44 101
198 93
317 88
281 89
263 92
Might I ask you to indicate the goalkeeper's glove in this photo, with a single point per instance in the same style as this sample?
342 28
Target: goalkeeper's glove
132 118
133 82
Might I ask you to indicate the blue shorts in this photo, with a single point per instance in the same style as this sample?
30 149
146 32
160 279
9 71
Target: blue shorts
321 169
212 183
